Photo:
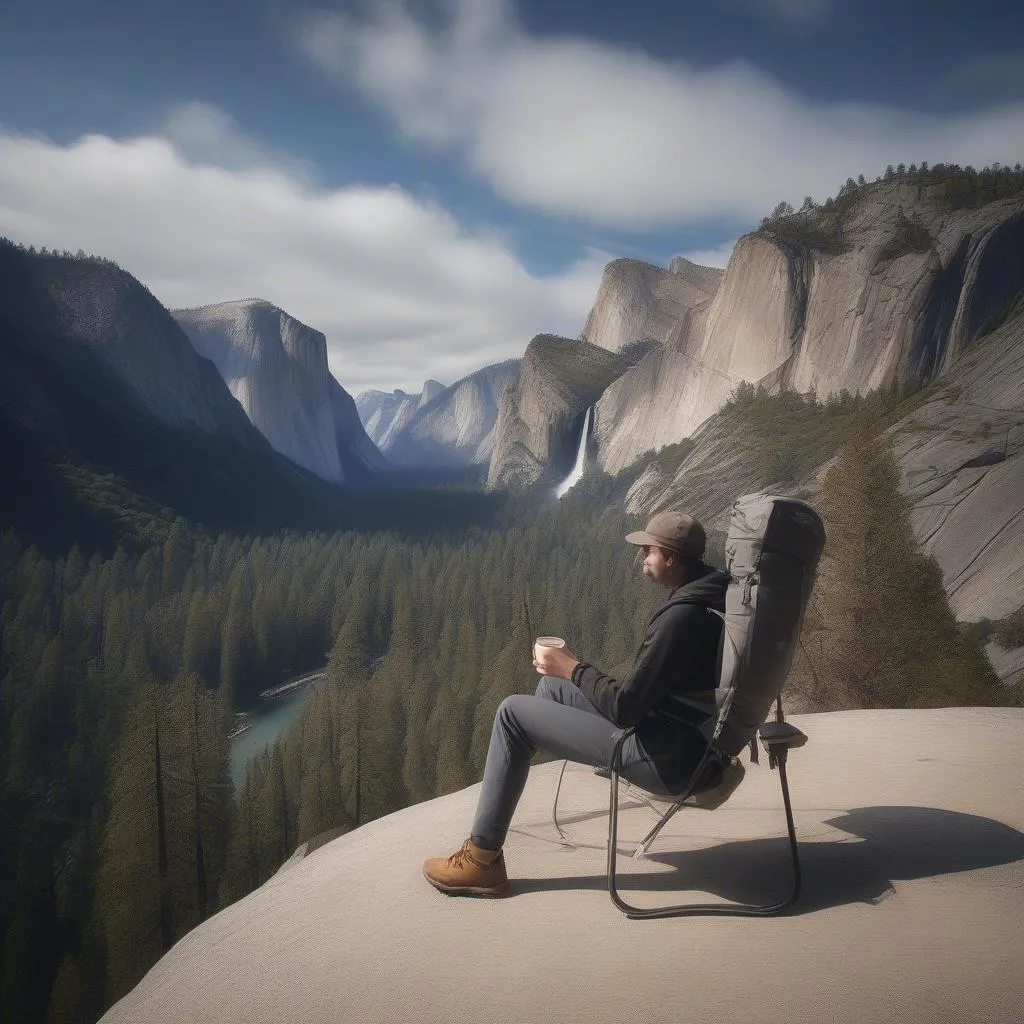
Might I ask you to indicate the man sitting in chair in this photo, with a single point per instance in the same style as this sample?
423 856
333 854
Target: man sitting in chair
578 711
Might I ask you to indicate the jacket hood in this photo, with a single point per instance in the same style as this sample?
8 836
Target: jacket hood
708 589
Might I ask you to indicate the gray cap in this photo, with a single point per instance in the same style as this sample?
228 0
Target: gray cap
674 530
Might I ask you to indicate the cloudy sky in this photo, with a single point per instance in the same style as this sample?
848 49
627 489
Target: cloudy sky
431 183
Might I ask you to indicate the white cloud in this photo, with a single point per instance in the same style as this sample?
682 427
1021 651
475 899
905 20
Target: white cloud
203 133
583 128
401 291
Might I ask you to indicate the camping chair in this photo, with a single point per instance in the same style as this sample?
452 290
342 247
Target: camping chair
773 544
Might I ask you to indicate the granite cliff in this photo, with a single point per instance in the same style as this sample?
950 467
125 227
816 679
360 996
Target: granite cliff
541 414
358 457
454 426
896 287
112 424
891 285
638 310
277 369
638 301
385 414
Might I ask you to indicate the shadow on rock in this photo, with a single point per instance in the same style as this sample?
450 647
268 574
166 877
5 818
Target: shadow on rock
896 843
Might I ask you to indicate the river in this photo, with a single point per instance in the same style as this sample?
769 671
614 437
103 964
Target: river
269 719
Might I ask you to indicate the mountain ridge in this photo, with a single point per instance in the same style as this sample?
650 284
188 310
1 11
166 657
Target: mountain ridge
869 304
441 426
110 444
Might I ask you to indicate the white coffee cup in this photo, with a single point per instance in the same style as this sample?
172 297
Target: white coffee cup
545 642
549 641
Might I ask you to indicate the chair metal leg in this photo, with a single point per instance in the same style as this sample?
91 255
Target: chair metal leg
566 841
644 843
722 909
694 909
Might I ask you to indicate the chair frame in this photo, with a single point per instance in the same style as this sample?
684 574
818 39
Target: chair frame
778 737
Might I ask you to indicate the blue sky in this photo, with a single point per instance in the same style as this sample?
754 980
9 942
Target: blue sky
430 184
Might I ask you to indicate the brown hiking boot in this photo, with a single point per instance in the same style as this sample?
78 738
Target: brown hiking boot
470 871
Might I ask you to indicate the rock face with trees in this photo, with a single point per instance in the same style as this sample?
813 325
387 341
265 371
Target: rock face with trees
893 281
914 283
112 423
87 316
957 444
888 285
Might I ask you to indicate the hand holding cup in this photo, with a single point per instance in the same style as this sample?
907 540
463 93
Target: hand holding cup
551 658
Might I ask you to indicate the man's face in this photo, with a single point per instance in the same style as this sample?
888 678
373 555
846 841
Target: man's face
656 567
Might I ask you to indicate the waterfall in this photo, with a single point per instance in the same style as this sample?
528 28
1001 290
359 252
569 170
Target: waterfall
581 458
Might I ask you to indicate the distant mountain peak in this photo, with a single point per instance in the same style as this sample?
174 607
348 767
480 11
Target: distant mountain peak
276 366
442 426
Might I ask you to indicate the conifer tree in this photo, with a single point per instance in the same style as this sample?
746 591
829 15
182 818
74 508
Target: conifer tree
235 648
879 632
74 995
452 719
120 625
420 755
201 649
203 814
383 724
132 899
278 805
347 673
247 861
177 557
511 673
440 716
320 802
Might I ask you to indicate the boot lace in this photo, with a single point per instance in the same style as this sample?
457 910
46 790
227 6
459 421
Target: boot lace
459 857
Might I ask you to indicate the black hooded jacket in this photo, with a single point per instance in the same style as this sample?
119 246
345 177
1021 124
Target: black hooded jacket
678 655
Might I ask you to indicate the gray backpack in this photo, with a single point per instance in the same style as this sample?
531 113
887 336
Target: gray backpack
772 551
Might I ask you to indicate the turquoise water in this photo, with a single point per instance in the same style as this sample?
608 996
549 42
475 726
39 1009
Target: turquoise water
268 722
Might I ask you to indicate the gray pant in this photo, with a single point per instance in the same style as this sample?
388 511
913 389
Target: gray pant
559 719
